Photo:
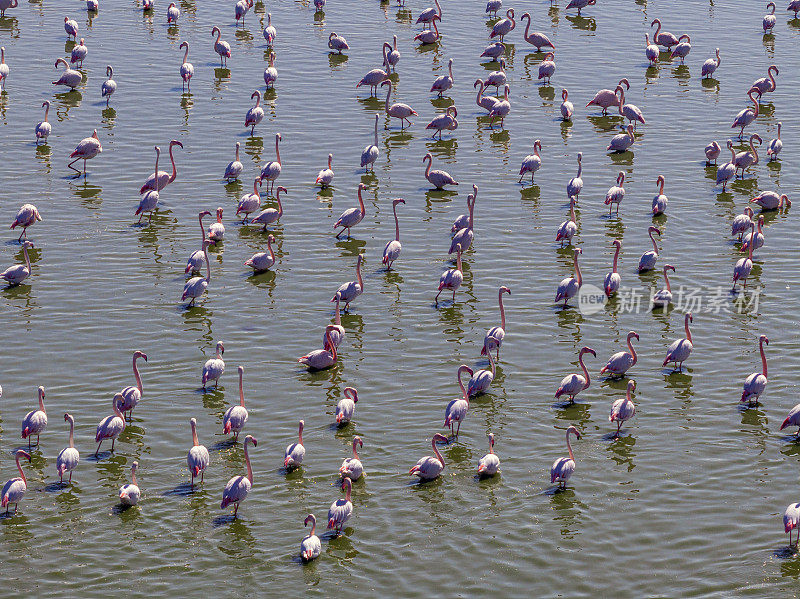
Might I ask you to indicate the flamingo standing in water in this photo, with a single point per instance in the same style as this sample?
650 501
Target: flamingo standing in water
320 359
71 27
770 200
372 80
747 115
346 406
234 168
616 193
663 38
197 260
70 77
349 291
129 494
501 108
537 39
622 361
650 50
712 151
795 6
489 465
269 32
485 102
255 115
68 458
14 275
444 122
532 162
269 216
497 79
26 217
748 158
568 228
310 546
756 239
562 468
683 48
337 330
457 409
574 383
216 231
391 56
742 222
622 141
774 148
295 452
430 467
428 36
650 257
744 266
791 516
505 26
352 216
679 350
132 395
341 509
613 279
575 185
352 468
262 261
492 6
214 367
35 421
547 68
443 82
436 177
149 201
392 250
629 111
88 148
109 86
482 379
397 110
44 128
197 458
78 54
14 489
451 279
710 66
568 288
463 219
663 297
110 427
579 4
173 13
161 179
567 109
370 154
727 171
241 9
494 337
430 14
187 68
494 51
272 169
769 20
766 84
236 417
221 47
238 487
755 384
607 98
793 419
623 409
196 286
465 235
325 176
271 72
660 201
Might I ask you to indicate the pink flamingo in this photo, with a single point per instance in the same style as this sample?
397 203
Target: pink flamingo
494 51
397 110
346 406
710 66
537 38
352 216
14 275
465 236
791 516
532 162
492 6
241 9
494 337
444 122
236 417
272 169
14 489
505 26
392 250
606 98
196 286
149 201
263 261
793 419
497 79
110 427
774 148
310 546
129 494
254 115
456 409
68 458
44 128
562 468
680 349
337 332
430 14
613 279
341 509
616 193
727 171
547 68
747 115
88 148
742 222
238 487
35 421
159 180
197 260
109 86
26 217
444 82
767 84
663 297
770 200
451 279
463 219
683 48
650 50
746 159
295 452
352 468
482 379
349 291
132 395
71 27
769 20
320 359
391 56
370 153
216 231
623 409
755 384
629 111
568 229
437 178
712 151
373 79
757 240
579 4
269 32
744 265
271 72
430 467
622 361
249 202
795 6
489 465
574 383
664 38
173 13
214 367
568 288
650 257
70 77
566 106
485 102
269 216
79 53
197 459
575 185
325 176
187 68
221 47
660 200
428 36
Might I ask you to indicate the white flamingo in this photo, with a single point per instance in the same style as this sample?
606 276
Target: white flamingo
197 459
437 178
44 128
456 410
346 406
613 279
574 383
187 68
234 168
349 291
214 367
615 193
430 467
68 458
489 465
235 417
110 427
14 275
221 47
341 509
444 82
452 278
149 201
35 421
568 288
568 228
262 261
532 162
131 396
325 176
680 349
392 250
663 297
26 217
197 260
370 154
744 266
563 468
494 337
321 359
129 494
710 65
14 489
575 185
270 216
465 235
623 409
238 487
310 546
352 468
619 363
109 86
352 216
295 452
774 148
444 122
755 384
255 114
650 257
660 201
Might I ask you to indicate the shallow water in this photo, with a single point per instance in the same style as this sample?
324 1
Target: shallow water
686 503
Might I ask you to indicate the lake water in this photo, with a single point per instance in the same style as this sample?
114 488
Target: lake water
687 502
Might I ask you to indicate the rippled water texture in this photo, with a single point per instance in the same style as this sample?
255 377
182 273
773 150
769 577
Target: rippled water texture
686 503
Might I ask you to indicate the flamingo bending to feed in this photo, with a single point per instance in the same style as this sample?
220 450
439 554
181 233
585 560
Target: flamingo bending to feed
429 14
710 65
623 409
70 77
221 47
88 148
397 110
457 409
132 395
563 468
428 36
650 50
679 350
567 109
197 260
444 122
325 175
567 229
444 82
435 177
712 151
664 38
214 367
341 509
236 417
271 72
482 379
683 48
79 53
537 38
492 6
269 32
196 286
494 337
579 4
320 359
149 201
650 257
744 266
310 546
35 421
352 216
255 114
346 406
173 13
352 468
574 383
451 279
793 419
68 458
727 171
14 275
187 68
269 216
747 115
489 465
663 297
742 222
465 235
44 128
295 452
745 159
373 79
575 185
71 27
622 141
14 489
505 26
197 458
568 288
494 51
622 361
613 279
109 86
660 201
485 102
262 261
791 516
430 467
629 111
766 84
774 148
756 239
161 179
234 168
370 154
92 5
391 56
770 200
497 79
349 291
547 67
110 427
501 108
616 193
755 384
532 162
337 332
241 9
392 250
238 487
795 6
26 217
129 494
607 98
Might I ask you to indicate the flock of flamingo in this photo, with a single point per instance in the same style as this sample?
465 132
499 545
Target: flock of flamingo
748 230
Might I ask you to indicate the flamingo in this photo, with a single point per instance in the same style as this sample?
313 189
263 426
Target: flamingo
295 452
430 14
310 546
109 85
341 509
196 286
444 122
352 468
337 331
44 128
430 467
623 409
464 236
619 363
214 367
575 185
489 465
563 468
650 50
744 160
321 359
712 151
665 38
493 338
26 217
221 47
255 114
79 53
71 27
148 5
566 106
373 79
92 5
234 168
727 171
396 110
567 229
492 6
615 193
346 406
129 494
742 222
710 66
532 162
197 260
568 288
68 458
456 409
370 154
494 51
149 201
497 79
392 250
337 43
482 379
269 31
660 200
14 275
547 67
629 111
110 427
793 419
132 395
744 265
197 459
757 240
485 102
437 178
774 148
795 6
791 516
755 384
537 38
451 279
501 108
505 26
159 181
463 219
613 279
606 98
216 231
272 169
766 84
241 8
35 421
352 216
443 82
349 291
14 489
663 297
238 487
650 257
325 176
263 261
679 350
747 115
770 200
622 141
683 48
235 417
579 4
69 78
271 72
319 4
269 216
572 384
769 20
428 36
173 13
391 58
187 68
88 148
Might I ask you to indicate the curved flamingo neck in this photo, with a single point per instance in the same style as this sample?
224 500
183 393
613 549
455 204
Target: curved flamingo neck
502 310
300 434
653 239
202 229
572 210
578 276
480 92
361 202
277 149
208 263
219 35
47 111
688 332
271 251
631 349
569 446
763 359
755 103
331 351
358 274
491 361
450 68
41 402
753 149
247 461
278 199
527 27
427 168
133 476
752 242
118 413
194 434
471 224
376 131
27 264
461 384
313 526
72 432
355 453
661 185
136 373
241 389
433 443
580 169
585 372
658 30
438 10
771 78
186 54
458 261
337 318
174 169
348 487
396 224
